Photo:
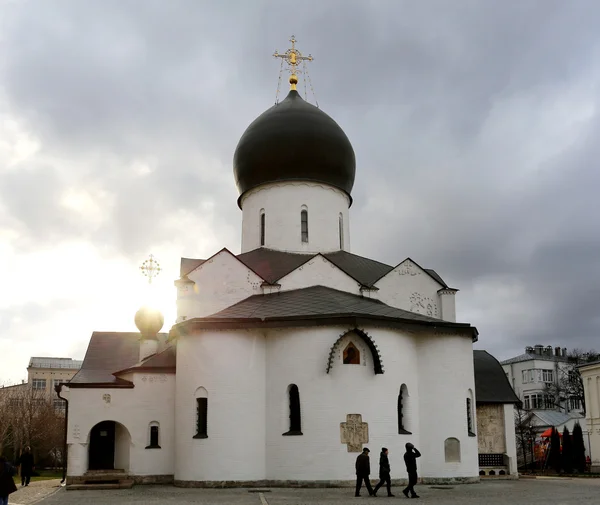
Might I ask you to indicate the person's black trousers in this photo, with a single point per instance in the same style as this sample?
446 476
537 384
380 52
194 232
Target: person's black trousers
384 479
25 478
359 481
412 482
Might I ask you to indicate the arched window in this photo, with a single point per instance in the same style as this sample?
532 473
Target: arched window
295 418
262 227
351 355
201 413
403 411
341 230
452 450
304 225
470 427
153 435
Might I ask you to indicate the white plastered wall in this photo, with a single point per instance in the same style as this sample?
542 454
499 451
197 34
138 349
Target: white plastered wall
218 283
319 271
152 399
510 437
231 367
282 204
410 288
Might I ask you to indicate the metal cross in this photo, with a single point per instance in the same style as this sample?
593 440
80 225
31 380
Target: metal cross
150 268
293 57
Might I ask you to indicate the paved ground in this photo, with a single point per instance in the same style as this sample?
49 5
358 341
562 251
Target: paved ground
522 492
33 493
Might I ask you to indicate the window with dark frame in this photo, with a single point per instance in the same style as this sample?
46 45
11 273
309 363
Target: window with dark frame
153 437
351 355
304 225
201 418
295 417
470 418
262 229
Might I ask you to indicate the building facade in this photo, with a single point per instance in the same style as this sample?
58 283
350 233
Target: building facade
289 358
590 374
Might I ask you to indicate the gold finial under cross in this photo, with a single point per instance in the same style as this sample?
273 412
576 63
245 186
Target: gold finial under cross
293 57
150 268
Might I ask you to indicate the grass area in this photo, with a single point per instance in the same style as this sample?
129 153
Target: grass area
44 475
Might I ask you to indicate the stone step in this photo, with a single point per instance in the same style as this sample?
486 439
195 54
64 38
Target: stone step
124 484
100 477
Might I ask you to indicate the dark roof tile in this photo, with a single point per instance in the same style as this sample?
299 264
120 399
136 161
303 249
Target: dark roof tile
491 383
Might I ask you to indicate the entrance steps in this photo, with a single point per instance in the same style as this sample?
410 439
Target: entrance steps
101 479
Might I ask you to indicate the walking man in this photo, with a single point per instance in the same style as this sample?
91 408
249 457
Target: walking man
410 458
384 473
26 462
363 469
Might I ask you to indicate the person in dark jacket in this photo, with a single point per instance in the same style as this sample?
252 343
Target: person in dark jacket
26 463
410 458
384 473
363 469
7 484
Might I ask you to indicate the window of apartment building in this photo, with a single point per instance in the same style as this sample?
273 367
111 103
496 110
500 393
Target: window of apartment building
537 375
39 384
59 405
538 401
548 375
56 382
574 403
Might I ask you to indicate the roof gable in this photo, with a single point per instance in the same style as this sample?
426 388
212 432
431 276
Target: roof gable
412 268
491 383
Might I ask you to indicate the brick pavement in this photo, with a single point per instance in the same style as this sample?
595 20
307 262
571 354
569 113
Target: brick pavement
522 492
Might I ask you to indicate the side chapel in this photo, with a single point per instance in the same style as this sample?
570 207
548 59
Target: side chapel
290 357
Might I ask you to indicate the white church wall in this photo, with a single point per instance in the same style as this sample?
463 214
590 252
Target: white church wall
152 399
446 377
510 437
282 204
219 282
299 356
319 271
230 365
409 287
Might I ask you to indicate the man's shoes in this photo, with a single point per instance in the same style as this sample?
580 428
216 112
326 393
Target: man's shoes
415 496
390 495
405 492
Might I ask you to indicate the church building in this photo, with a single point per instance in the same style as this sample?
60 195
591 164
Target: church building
289 358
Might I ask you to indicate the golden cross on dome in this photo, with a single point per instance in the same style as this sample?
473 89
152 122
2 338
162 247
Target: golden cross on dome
150 268
293 57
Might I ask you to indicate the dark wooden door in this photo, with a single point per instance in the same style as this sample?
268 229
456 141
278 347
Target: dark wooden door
102 446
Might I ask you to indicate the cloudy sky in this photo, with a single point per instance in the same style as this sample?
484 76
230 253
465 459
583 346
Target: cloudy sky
475 125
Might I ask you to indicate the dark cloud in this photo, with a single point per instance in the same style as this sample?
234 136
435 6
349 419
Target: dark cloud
474 125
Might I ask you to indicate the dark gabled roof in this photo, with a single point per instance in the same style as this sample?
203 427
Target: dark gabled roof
272 265
164 361
305 306
107 353
491 383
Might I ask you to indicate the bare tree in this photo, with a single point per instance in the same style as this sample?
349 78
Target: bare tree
569 384
523 432
31 419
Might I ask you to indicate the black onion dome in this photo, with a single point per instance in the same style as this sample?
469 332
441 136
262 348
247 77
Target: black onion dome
294 141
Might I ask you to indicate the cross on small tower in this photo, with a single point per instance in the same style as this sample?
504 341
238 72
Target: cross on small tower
150 268
293 57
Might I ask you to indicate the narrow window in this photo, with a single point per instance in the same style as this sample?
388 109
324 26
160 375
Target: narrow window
402 401
295 427
304 225
351 355
201 418
470 418
154 429
341 231
262 228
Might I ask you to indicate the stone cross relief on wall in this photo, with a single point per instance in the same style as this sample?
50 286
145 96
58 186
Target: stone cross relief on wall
354 433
